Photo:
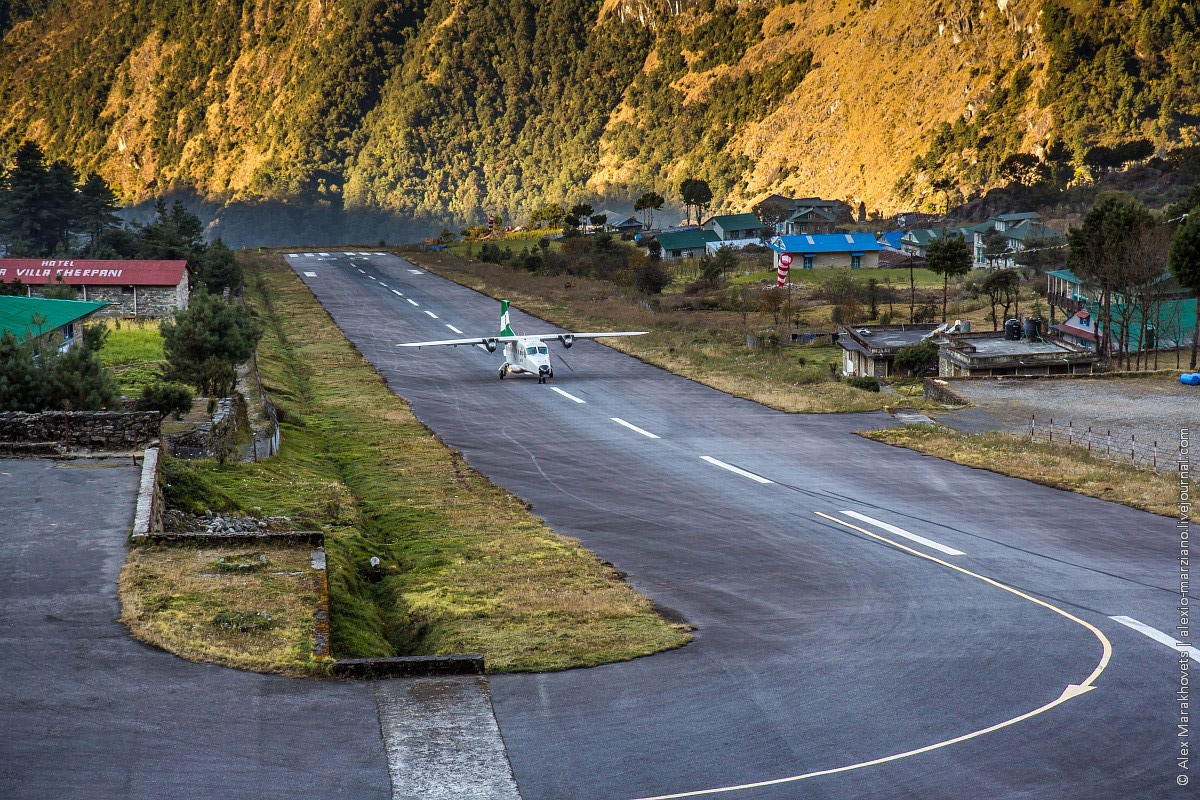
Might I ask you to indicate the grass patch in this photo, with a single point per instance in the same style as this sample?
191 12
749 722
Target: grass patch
258 619
464 566
1060 466
134 352
706 346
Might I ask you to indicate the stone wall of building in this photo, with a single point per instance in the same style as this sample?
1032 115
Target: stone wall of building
63 432
151 301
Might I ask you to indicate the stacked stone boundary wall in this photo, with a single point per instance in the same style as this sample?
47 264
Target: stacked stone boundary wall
76 432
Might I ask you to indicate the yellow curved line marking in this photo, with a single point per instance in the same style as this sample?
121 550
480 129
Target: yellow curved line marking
1072 690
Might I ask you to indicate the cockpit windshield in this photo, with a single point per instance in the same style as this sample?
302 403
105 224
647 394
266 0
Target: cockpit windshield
531 351
543 350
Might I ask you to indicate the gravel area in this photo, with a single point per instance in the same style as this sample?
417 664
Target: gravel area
1153 409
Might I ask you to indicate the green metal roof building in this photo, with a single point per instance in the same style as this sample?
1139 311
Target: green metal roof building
685 244
36 317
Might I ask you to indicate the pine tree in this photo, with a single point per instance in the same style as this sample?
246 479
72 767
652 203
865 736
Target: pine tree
204 343
948 256
25 216
97 205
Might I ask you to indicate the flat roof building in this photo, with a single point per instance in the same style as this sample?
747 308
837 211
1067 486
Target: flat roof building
128 288
990 354
870 351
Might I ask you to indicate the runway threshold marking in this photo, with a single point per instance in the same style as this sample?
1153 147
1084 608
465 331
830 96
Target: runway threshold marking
413 302
323 255
416 272
1158 636
310 274
567 395
633 427
950 551
1073 690
737 470
430 313
456 330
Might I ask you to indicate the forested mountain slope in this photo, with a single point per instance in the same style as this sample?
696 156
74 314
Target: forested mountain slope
437 110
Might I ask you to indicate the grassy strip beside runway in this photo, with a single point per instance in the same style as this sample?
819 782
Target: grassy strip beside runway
464 566
1060 466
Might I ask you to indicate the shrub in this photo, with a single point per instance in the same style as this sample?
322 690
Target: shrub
919 359
167 398
651 279
866 383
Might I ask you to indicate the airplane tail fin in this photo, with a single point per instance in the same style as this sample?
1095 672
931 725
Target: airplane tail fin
505 325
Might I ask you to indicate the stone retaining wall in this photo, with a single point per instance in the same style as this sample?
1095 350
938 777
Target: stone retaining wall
66 432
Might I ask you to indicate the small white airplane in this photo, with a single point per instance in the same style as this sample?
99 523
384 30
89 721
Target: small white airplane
527 354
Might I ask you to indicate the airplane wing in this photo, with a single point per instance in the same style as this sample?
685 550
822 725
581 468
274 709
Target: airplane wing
546 337
543 337
483 340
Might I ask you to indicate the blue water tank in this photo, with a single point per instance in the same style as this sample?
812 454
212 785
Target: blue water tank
1190 379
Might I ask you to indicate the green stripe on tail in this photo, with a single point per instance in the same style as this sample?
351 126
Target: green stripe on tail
505 325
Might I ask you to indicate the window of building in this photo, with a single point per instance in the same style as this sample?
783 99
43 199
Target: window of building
808 262
855 262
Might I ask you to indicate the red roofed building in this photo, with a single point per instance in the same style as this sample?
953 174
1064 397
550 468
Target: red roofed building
133 288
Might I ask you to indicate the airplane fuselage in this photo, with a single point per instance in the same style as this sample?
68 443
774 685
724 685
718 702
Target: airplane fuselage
530 356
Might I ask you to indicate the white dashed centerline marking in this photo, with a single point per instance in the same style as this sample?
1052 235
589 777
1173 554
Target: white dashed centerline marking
634 428
456 330
372 277
384 285
310 274
567 395
398 294
738 470
430 313
950 551
363 271
413 302
1158 636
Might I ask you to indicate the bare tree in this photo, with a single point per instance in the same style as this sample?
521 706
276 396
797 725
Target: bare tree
1138 271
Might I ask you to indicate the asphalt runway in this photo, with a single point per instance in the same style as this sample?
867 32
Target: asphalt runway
827 635
88 712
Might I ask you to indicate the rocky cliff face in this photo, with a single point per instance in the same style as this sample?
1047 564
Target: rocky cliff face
438 110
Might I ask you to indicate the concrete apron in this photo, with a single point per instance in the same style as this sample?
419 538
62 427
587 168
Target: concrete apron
442 739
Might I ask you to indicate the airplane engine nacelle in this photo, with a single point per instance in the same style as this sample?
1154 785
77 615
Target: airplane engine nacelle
491 345
567 340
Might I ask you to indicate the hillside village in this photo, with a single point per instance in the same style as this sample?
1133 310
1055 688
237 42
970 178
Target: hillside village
1069 326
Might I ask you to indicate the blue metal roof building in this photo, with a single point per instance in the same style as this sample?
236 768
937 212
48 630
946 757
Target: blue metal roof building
820 243
812 250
